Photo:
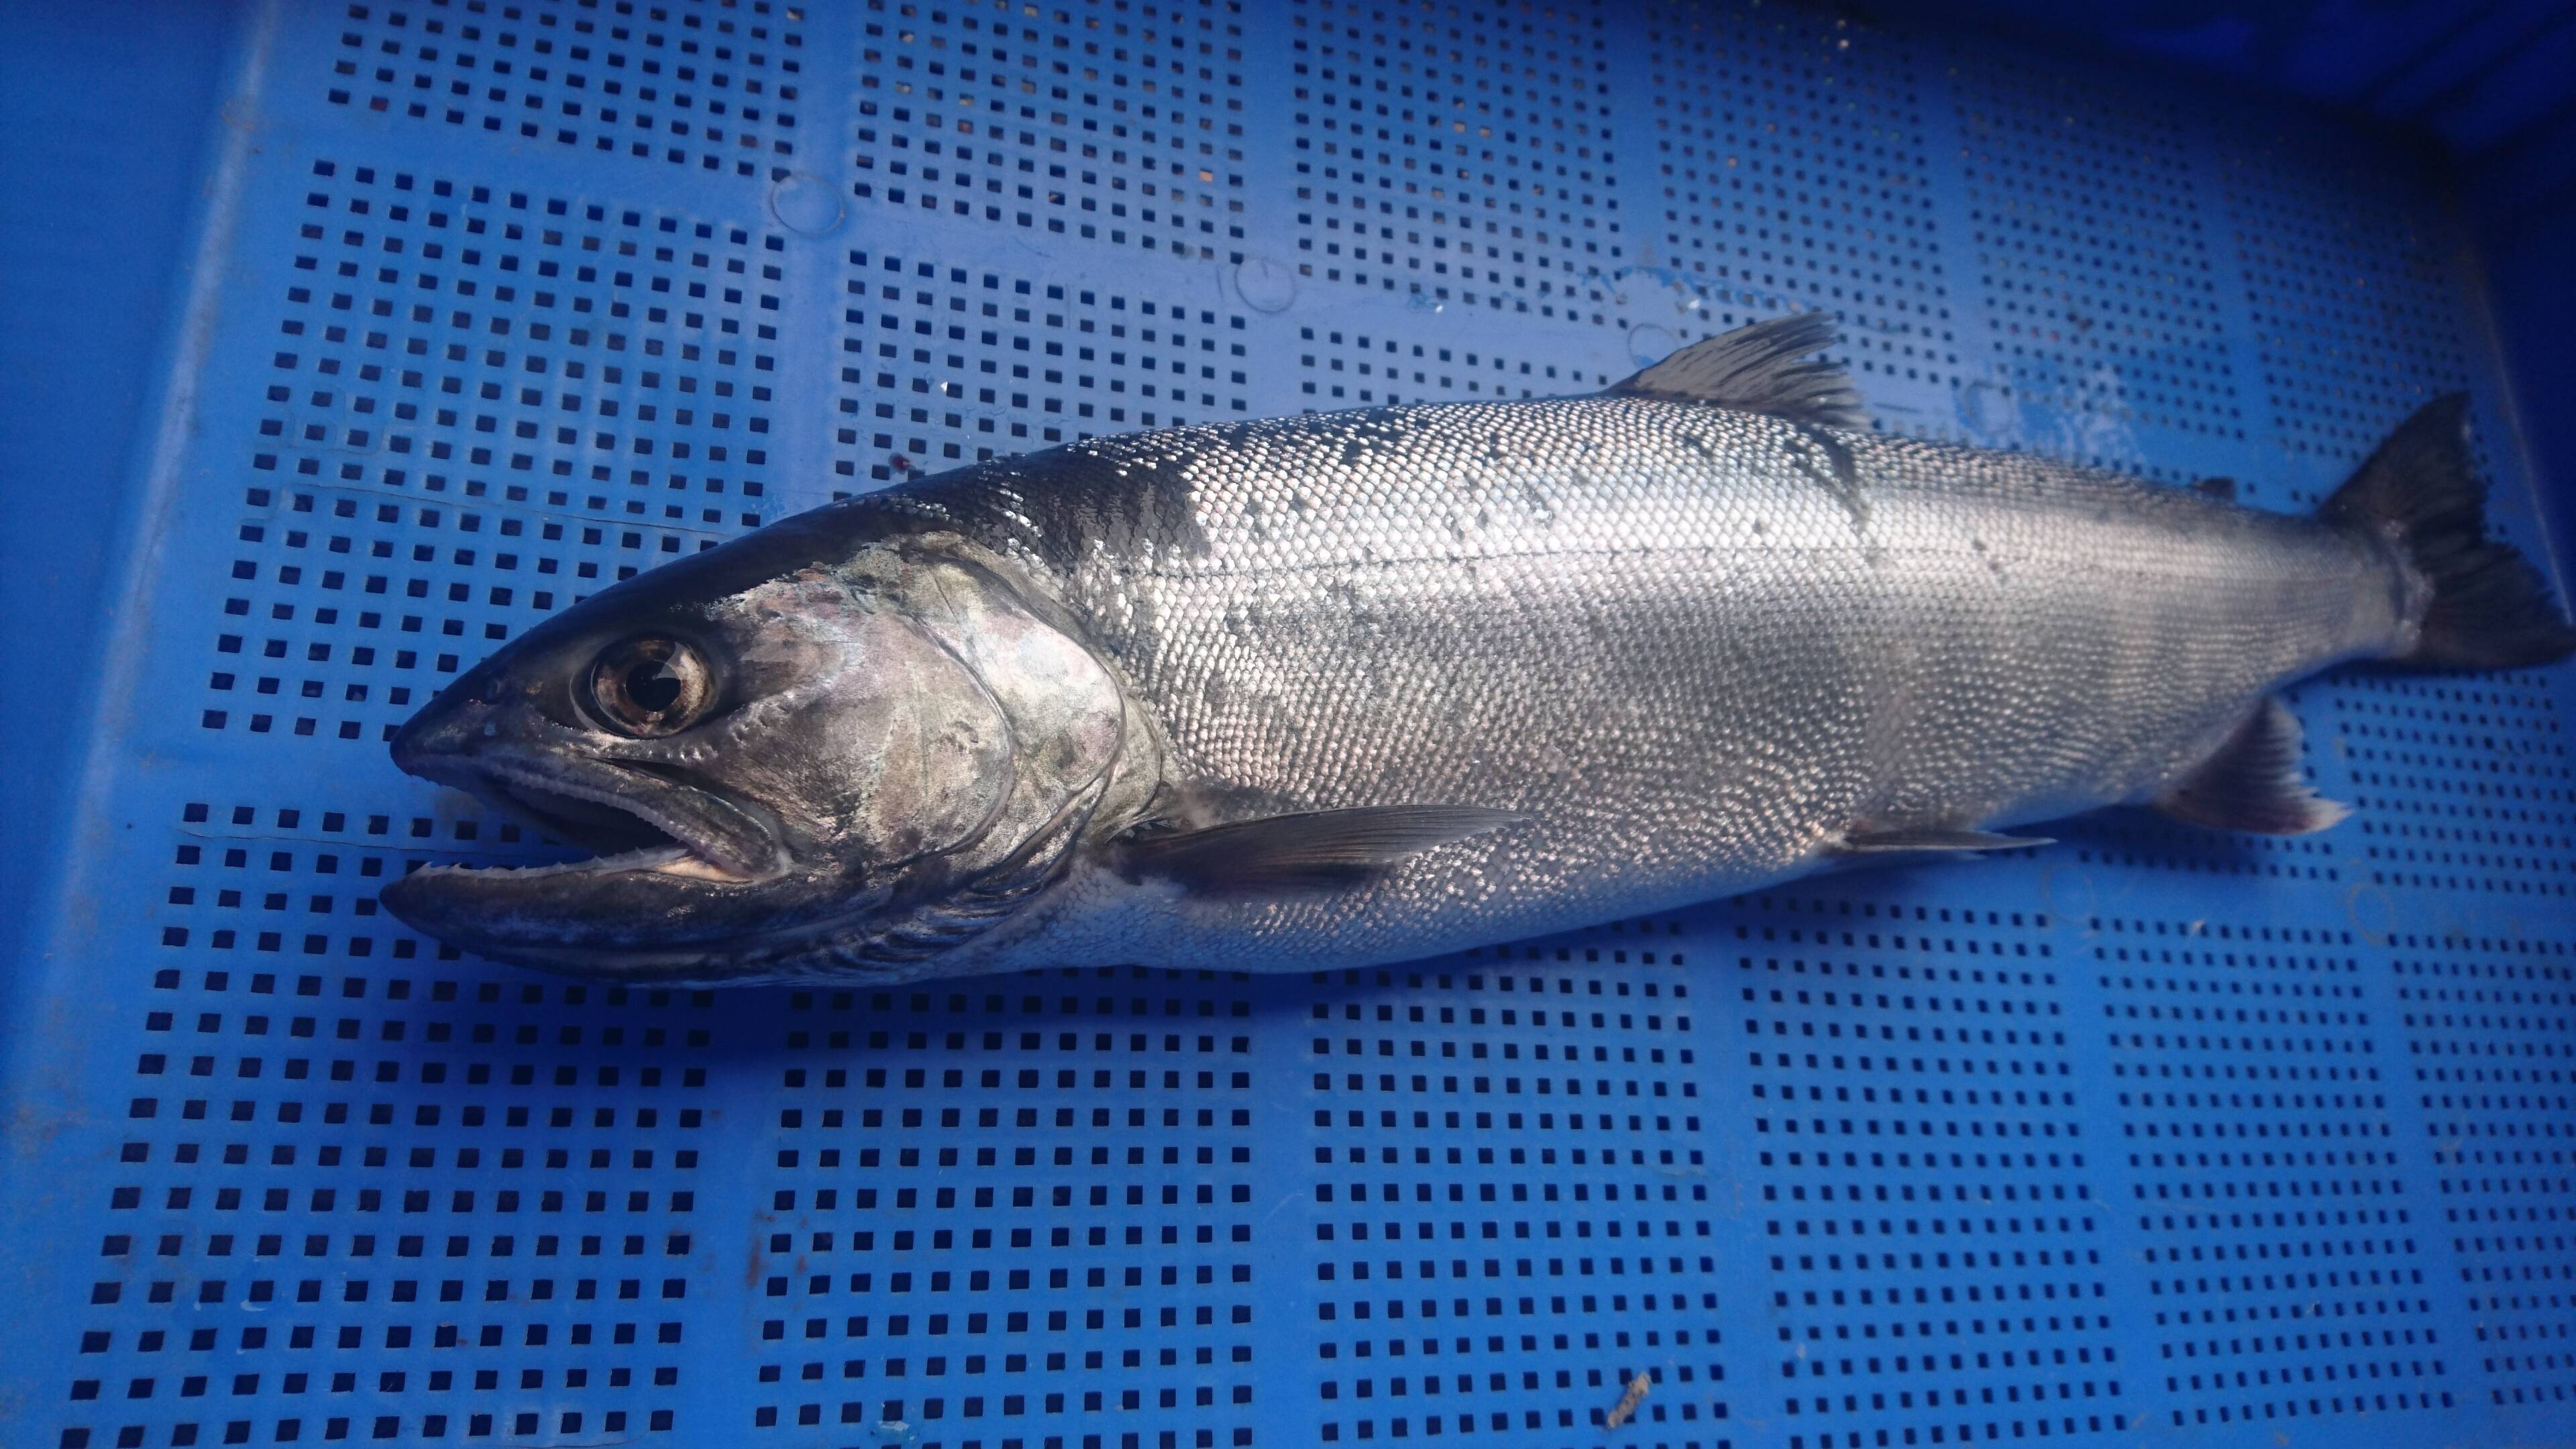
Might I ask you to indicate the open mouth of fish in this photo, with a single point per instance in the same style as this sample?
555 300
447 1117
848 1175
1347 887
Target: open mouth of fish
632 818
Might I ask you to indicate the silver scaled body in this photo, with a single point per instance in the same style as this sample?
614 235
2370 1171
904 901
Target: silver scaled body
1696 648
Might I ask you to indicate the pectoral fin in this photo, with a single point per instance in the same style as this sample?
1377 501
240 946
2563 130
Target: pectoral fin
1932 840
2252 782
1283 854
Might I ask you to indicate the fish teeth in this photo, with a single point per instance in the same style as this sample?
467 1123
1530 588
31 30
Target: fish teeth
667 859
696 867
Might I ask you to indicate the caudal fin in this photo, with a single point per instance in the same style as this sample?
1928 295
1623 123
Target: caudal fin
2490 608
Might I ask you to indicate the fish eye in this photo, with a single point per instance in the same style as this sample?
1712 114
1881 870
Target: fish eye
649 685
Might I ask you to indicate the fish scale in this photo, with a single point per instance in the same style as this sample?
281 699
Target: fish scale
1661 631
1349 688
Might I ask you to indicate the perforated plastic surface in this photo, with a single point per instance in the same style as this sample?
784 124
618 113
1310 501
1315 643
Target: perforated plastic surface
2156 1138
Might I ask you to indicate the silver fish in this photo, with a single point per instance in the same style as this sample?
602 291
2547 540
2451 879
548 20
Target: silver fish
1352 688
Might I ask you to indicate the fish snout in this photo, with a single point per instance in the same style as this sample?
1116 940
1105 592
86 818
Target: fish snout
433 743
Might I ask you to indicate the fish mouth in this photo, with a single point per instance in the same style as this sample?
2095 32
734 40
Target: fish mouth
634 819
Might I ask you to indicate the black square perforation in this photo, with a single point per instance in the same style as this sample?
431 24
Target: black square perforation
1791 165
951 1237
2488 1047
435 326
1914 1126
1501 151
2128 323
2357 318
1109 122
1510 1191
2284 1272
358 1196
335 628
2149 1134
705 83
2500 828
944 364
1352 370
483 406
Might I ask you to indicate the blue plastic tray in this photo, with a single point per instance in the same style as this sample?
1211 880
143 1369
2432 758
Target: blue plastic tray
2154 1139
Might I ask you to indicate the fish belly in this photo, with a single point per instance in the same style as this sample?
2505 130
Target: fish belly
1692 647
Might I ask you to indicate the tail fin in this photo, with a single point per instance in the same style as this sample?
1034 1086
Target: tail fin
2490 608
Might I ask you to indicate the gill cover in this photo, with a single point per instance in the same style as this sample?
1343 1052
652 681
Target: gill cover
1068 727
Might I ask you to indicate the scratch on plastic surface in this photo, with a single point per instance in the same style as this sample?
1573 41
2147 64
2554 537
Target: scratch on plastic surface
72 901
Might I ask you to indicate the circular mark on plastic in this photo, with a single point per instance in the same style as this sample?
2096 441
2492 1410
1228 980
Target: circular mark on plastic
1265 285
806 205
2372 914
1985 411
1649 344
2067 893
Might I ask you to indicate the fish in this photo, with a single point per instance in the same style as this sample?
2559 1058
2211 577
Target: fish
1350 688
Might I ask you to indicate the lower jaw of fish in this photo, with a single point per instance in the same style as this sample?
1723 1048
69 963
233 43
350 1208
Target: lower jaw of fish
652 915
662 877
600 916
671 898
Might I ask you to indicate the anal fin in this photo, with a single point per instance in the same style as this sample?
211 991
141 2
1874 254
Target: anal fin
1286 854
2252 783
1933 840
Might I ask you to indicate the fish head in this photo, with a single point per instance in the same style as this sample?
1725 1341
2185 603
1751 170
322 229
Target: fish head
793 761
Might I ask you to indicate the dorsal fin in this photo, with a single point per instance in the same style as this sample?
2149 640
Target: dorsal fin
2222 489
1763 368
